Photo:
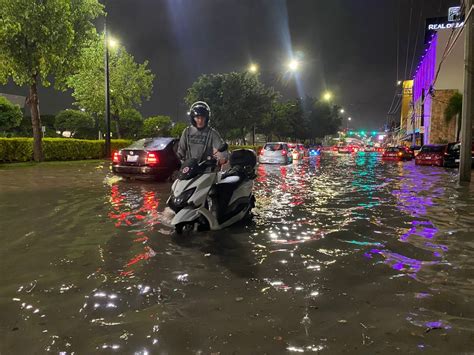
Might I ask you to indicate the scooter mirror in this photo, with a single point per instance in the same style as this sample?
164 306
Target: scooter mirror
223 148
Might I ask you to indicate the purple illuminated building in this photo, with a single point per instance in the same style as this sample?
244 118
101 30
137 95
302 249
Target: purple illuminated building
432 90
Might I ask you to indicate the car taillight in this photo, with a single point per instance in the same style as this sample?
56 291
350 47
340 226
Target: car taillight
116 158
400 154
284 152
151 158
262 151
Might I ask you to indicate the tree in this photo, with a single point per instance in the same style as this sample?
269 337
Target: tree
157 126
10 114
40 40
237 100
79 123
454 109
322 118
130 82
131 122
178 129
286 120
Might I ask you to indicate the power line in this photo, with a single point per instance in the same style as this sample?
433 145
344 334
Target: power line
398 55
416 40
398 39
408 41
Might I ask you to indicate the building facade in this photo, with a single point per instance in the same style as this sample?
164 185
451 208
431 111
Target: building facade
438 76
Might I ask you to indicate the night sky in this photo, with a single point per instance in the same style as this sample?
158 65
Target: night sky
347 46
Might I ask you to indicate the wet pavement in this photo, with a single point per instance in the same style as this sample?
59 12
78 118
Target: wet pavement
344 254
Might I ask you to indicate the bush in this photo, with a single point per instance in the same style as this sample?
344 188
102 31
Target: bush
21 149
16 149
10 114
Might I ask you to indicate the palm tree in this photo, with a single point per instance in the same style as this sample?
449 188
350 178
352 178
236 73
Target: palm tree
454 109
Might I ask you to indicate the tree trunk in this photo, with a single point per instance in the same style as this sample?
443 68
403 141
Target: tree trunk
33 102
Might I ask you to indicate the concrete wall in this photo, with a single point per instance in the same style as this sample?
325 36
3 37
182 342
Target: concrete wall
451 74
440 130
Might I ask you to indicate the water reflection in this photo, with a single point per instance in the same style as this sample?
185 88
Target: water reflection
343 252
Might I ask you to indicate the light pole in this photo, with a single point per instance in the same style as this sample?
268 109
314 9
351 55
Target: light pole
112 43
107 93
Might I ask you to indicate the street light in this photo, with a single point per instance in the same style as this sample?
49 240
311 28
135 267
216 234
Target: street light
253 68
341 110
348 119
327 96
113 43
293 65
399 82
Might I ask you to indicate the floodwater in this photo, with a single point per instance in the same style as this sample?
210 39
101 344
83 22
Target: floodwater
344 254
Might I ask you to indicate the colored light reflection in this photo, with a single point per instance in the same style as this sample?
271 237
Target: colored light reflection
137 213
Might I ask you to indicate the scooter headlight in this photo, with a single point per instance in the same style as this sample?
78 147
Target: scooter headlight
181 200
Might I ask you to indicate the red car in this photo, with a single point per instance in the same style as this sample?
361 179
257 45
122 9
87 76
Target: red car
431 154
396 153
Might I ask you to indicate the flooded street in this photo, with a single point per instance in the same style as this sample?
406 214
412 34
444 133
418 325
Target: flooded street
344 254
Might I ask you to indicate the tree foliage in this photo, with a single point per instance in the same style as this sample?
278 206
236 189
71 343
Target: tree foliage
131 122
41 40
130 82
454 109
80 124
178 129
10 114
237 100
157 126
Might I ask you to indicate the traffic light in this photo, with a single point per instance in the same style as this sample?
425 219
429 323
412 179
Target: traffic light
351 133
374 133
362 133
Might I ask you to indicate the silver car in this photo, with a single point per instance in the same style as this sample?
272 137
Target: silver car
275 153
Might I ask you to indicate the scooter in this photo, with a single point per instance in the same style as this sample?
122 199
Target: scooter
205 198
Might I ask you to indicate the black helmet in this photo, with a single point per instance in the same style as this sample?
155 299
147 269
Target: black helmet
199 108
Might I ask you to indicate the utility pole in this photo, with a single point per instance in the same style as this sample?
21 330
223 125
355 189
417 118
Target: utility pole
468 97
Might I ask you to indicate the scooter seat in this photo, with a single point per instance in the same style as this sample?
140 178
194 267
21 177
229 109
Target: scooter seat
232 179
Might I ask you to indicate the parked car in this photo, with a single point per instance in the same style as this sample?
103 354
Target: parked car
431 154
148 158
451 156
396 153
275 153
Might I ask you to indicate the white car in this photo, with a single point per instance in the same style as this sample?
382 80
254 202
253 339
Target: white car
275 153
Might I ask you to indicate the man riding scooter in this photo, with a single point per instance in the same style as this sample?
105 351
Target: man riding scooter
203 197
199 140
